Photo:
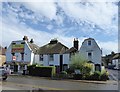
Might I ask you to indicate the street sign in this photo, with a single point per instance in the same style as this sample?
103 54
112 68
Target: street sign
14 58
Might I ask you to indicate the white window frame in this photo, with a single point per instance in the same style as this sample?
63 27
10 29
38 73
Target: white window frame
90 43
41 57
51 57
90 57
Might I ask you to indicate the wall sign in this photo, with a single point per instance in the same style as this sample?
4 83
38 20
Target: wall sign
17 48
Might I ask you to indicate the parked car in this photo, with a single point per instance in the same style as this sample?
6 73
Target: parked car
111 66
4 72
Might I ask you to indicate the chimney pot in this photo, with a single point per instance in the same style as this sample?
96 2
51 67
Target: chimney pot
25 38
31 41
53 41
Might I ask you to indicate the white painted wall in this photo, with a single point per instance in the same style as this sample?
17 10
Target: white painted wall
46 61
115 62
94 49
66 58
8 54
56 61
28 55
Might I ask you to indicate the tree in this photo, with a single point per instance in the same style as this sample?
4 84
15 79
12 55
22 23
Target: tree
80 62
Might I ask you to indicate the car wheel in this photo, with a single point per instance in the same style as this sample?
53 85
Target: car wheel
5 78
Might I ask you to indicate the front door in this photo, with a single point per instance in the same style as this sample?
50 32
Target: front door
61 63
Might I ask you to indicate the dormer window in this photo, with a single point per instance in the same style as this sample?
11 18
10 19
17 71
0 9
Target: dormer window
89 43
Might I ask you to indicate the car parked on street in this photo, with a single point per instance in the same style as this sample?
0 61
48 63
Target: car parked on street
4 72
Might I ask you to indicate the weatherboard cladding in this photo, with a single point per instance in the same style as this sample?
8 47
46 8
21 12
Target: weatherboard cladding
56 48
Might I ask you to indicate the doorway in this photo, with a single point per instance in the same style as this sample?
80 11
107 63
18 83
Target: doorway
61 63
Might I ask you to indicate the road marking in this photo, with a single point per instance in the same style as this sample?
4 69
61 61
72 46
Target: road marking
33 86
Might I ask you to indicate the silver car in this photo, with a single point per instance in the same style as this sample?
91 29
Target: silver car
3 73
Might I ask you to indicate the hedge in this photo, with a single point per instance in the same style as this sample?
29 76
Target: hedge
42 71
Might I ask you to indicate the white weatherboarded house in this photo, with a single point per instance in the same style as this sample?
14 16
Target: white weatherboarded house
51 54
91 51
21 52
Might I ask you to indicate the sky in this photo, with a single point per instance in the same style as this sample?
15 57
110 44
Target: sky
44 20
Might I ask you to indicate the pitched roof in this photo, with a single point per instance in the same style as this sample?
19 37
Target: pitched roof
71 50
53 48
2 50
117 56
33 47
94 41
89 39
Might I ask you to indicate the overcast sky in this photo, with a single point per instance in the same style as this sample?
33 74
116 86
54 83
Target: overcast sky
65 21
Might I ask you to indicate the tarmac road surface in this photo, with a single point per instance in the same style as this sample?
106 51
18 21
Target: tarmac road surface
37 83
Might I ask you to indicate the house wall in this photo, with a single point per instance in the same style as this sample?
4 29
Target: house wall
66 58
55 62
28 55
94 49
2 59
115 62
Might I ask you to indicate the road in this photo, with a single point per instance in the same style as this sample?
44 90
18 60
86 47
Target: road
35 83
113 74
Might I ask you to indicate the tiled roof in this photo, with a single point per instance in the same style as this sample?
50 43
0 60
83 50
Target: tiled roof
117 56
89 39
33 47
2 50
52 48
71 50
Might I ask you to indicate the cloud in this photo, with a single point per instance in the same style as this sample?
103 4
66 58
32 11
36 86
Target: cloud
13 29
104 14
100 14
46 9
108 46
49 27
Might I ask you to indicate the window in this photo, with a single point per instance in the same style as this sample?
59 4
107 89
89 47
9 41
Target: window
22 42
89 54
13 43
22 56
13 54
89 43
41 57
51 57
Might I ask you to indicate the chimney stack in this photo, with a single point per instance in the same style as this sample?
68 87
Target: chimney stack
5 48
25 38
31 41
54 41
76 43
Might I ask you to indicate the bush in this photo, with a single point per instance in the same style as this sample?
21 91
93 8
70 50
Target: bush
95 75
104 75
77 76
63 72
42 71
70 70
79 62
